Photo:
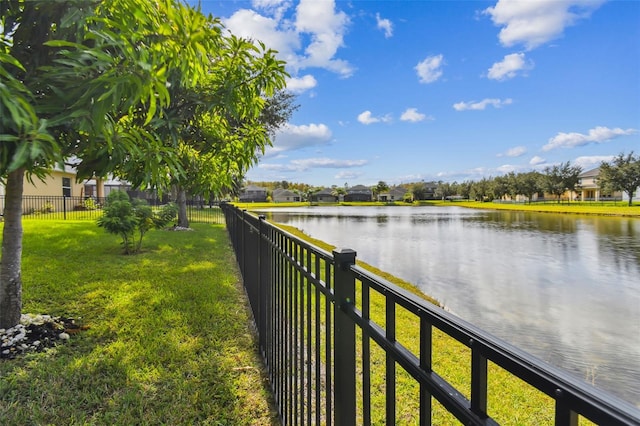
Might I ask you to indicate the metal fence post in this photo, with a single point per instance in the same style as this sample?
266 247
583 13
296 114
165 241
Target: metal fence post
345 339
263 264
243 251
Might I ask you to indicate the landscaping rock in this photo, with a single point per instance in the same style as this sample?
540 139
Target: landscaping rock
35 333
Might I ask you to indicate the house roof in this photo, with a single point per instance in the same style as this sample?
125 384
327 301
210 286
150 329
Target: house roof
325 191
254 188
284 193
590 173
358 188
398 190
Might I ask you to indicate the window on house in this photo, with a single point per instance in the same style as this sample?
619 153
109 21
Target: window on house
66 187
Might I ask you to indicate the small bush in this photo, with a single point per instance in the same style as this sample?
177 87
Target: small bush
131 219
47 207
89 204
167 214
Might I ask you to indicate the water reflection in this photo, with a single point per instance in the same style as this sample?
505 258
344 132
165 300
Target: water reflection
565 288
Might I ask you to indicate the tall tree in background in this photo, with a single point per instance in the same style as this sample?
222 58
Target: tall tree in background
212 161
528 184
561 178
480 190
419 190
86 79
621 174
380 188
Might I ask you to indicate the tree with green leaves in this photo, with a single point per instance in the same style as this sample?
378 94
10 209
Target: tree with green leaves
379 188
499 187
209 170
621 174
419 190
560 178
528 184
132 219
481 190
444 190
220 125
464 189
85 80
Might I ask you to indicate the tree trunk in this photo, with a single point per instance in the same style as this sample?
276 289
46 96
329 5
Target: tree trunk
181 201
10 267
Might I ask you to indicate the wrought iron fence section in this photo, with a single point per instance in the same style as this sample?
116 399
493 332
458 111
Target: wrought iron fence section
317 327
292 304
43 207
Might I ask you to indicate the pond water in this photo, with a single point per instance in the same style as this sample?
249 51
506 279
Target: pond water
565 288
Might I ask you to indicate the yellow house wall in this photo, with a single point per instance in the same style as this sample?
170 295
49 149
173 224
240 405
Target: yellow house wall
52 185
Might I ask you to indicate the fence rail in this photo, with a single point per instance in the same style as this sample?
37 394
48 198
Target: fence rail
90 208
319 334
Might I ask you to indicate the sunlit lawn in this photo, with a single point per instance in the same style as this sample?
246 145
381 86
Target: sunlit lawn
169 339
585 208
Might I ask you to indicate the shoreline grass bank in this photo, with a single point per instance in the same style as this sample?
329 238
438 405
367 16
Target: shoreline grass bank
587 208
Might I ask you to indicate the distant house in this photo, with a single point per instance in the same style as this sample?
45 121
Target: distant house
47 194
324 196
589 188
253 194
59 182
392 195
284 195
358 193
103 187
431 189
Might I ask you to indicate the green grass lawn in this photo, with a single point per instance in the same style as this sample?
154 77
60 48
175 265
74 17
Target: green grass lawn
168 342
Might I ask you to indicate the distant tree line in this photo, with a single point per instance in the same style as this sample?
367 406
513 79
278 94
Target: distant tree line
622 174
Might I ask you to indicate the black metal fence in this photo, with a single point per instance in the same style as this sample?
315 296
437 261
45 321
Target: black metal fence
90 208
335 359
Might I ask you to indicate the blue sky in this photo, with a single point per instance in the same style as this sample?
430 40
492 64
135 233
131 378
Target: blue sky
403 91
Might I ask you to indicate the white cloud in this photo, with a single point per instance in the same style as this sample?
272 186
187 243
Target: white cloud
536 160
509 67
533 23
326 28
305 164
412 115
516 151
507 168
591 162
385 25
429 70
326 163
301 84
347 175
274 7
307 36
479 106
252 25
368 118
598 134
292 137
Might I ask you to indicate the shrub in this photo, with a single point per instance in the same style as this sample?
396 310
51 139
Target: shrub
89 204
130 218
47 207
167 214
